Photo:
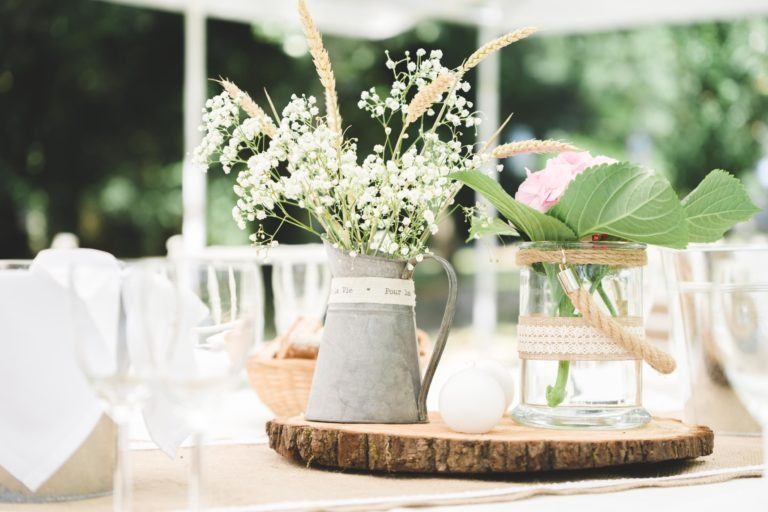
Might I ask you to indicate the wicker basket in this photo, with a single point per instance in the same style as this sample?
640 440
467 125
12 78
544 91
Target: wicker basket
282 384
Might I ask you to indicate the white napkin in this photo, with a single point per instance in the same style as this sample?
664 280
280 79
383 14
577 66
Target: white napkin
47 409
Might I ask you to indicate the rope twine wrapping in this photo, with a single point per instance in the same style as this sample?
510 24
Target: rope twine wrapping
658 359
610 257
592 314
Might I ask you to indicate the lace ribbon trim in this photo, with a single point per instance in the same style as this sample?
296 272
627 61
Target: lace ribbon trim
561 338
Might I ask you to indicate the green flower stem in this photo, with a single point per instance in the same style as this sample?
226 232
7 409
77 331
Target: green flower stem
563 308
606 299
556 394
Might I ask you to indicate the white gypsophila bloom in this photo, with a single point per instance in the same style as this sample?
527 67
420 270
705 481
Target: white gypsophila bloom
387 204
220 114
317 177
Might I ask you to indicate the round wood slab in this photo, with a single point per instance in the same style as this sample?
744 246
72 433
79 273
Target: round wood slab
508 448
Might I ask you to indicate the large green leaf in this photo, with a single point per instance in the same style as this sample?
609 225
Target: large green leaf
534 224
713 207
625 201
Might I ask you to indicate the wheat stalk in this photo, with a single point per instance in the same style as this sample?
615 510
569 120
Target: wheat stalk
250 107
496 45
531 146
427 96
495 134
323 65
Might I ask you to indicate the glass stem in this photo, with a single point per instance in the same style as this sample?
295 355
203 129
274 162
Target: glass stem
765 451
123 480
195 490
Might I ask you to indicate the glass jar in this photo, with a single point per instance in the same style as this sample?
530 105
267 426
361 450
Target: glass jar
573 374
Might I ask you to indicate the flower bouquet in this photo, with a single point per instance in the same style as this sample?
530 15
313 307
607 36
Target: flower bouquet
302 168
374 214
580 332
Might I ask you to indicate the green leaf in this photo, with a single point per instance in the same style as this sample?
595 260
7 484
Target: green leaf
534 224
716 205
481 226
625 201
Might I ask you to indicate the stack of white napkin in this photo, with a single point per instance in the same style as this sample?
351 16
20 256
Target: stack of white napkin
47 409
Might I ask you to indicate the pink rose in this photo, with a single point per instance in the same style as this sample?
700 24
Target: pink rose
542 189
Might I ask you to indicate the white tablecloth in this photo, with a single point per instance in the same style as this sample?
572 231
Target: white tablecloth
243 418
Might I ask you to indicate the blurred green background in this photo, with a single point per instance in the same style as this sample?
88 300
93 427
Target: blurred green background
91 109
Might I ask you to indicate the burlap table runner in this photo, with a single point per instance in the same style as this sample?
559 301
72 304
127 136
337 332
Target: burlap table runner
255 478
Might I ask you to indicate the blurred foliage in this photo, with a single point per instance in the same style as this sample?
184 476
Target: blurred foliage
91 96
91 120
684 100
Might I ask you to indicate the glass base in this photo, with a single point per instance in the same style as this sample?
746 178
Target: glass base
589 418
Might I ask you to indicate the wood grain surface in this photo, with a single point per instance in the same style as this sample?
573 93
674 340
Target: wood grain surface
508 448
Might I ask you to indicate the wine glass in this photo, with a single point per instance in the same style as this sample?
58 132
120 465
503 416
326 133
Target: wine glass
210 333
301 282
114 348
741 306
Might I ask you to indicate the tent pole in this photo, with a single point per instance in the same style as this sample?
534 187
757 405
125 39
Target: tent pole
193 180
484 306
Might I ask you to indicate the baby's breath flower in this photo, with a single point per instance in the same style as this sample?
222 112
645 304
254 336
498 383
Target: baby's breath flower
387 203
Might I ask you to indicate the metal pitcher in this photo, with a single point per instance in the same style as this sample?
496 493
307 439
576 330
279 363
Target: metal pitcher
367 369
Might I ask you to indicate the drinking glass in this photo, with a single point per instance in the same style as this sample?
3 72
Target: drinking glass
741 329
210 333
301 281
709 397
110 305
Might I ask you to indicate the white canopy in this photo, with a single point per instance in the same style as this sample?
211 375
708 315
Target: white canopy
376 19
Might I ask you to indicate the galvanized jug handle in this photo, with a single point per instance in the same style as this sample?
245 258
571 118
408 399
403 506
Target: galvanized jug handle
442 335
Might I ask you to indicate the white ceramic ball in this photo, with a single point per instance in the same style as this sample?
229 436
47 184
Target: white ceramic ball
472 401
502 374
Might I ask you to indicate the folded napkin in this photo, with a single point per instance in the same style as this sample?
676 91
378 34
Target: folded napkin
48 409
